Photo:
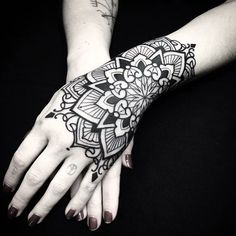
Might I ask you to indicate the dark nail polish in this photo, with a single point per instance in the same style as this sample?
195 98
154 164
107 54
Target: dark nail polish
33 220
70 214
92 223
128 161
12 212
80 216
7 189
107 217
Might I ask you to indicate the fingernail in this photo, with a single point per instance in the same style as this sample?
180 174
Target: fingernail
107 217
80 216
128 161
92 223
12 212
33 220
7 189
70 214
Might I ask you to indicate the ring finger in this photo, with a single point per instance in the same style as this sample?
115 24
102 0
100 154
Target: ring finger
60 184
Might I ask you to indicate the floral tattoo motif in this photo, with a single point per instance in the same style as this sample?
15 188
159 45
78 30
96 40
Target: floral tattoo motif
102 108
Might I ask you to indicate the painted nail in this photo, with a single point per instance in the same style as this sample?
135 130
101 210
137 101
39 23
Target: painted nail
33 220
92 223
7 189
70 214
12 212
80 216
107 217
128 161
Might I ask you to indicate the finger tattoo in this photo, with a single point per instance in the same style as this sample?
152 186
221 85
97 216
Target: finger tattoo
71 169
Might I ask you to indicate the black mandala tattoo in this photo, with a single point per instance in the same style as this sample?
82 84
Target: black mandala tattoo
107 8
102 108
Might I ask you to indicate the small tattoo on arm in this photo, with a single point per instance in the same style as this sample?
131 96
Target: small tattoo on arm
107 8
102 108
71 169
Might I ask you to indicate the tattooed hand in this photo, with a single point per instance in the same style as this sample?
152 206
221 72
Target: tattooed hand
91 121
105 198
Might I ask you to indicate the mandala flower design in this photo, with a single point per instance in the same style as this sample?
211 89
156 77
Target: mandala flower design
133 83
103 108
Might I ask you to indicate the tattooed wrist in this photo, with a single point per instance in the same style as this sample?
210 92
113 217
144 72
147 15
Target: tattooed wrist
102 108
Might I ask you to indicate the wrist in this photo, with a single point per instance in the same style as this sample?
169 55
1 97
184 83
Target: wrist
80 62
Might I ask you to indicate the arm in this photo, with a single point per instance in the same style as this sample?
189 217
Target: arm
88 26
214 34
117 94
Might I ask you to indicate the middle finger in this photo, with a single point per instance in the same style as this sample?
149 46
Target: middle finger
60 184
38 173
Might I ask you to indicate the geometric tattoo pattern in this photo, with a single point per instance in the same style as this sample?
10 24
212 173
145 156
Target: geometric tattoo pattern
102 108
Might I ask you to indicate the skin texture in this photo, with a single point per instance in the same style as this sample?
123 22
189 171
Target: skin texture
52 137
121 90
88 32
102 108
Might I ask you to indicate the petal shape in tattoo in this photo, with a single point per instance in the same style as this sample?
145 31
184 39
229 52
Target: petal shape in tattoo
102 108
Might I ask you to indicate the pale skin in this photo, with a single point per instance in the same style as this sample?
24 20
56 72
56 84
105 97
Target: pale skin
209 53
88 32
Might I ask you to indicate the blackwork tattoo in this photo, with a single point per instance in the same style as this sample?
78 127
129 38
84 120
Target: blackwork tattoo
102 108
107 8
71 169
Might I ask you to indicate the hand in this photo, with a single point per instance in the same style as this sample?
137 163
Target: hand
63 134
90 122
105 199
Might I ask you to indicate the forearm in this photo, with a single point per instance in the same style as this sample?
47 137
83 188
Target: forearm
102 108
88 26
214 34
207 42
128 83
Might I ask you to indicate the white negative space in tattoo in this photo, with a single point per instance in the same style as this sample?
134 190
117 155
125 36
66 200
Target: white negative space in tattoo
102 108
107 9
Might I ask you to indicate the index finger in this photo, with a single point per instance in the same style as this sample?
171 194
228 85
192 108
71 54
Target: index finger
26 153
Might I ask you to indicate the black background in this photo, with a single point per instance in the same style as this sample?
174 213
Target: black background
184 155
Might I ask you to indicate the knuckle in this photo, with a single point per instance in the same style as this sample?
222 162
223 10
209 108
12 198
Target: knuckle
42 209
33 177
89 187
94 204
20 199
58 188
41 127
39 122
61 142
19 161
